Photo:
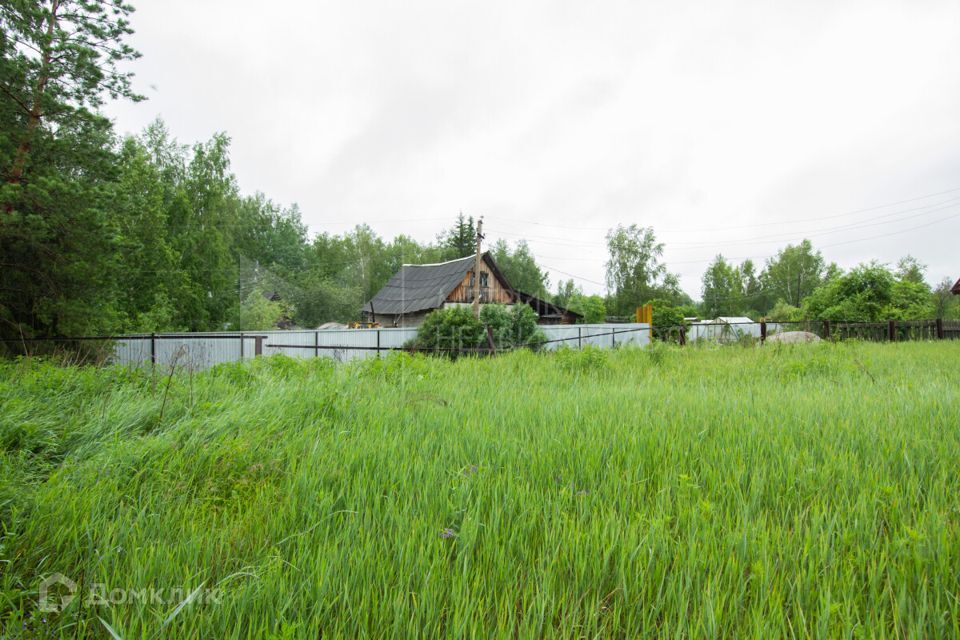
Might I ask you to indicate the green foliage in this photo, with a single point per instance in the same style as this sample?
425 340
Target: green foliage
635 271
57 61
589 359
730 290
793 274
665 314
592 308
567 291
817 484
102 234
909 269
945 304
257 312
570 296
322 299
449 329
146 234
520 268
911 300
513 326
783 312
722 289
870 292
862 294
454 328
460 240
658 351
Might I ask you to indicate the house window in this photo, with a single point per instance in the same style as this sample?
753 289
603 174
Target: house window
484 279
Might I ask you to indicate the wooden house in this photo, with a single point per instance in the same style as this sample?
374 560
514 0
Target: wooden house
418 289
956 288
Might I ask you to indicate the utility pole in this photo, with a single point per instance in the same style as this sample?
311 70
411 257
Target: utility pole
476 271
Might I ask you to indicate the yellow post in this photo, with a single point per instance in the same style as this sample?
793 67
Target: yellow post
645 316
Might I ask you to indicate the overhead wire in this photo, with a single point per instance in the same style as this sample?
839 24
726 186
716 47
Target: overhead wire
785 236
752 225
758 258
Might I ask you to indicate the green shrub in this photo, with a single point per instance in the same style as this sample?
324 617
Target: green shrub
512 327
454 328
450 329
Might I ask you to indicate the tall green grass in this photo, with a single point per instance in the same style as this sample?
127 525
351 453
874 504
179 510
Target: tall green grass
807 491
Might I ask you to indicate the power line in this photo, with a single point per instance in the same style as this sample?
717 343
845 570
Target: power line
572 275
941 206
714 300
758 258
746 226
773 238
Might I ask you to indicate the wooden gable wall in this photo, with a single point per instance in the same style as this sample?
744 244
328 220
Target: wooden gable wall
497 290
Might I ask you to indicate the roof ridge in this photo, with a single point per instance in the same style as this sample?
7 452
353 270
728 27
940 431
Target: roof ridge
437 264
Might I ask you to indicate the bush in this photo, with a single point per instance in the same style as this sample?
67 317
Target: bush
454 328
783 312
870 293
665 314
512 327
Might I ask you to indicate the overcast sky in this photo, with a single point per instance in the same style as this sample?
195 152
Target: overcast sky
730 127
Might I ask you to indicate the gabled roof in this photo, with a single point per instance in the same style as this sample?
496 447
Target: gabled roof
956 289
418 287
545 309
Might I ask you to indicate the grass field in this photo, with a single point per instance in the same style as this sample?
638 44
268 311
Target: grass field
807 491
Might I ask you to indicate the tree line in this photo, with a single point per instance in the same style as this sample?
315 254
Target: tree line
102 233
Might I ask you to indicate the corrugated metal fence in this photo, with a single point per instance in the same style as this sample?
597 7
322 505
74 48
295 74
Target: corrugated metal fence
202 350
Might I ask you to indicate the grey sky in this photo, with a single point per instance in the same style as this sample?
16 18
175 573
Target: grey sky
557 120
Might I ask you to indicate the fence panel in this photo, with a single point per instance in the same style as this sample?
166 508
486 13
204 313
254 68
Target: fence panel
951 329
604 336
189 350
203 350
365 341
294 342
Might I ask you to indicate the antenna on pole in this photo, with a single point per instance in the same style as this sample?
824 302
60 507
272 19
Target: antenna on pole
476 271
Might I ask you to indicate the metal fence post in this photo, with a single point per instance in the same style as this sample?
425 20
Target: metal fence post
892 330
316 343
613 337
258 346
153 350
939 328
579 337
378 343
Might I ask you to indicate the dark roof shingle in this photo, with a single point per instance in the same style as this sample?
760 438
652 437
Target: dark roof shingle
418 287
